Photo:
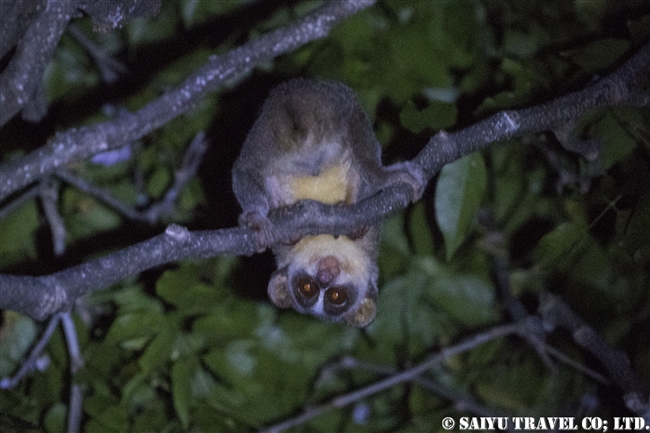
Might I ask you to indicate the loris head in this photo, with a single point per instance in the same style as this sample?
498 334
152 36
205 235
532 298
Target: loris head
330 278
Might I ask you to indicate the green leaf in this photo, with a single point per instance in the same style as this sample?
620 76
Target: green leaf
599 54
181 288
554 246
55 418
70 73
136 327
158 352
420 231
467 298
232 319
406 316
158 182
130 299
181 375
516 387
148 30
395 252
85 216
17 234
459 192
618 143
18 334
437 115
195 11
114 417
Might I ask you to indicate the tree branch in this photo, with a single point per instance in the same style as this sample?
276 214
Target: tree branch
42 296
557 313
623 87
155 211
77 144
21 79
401 377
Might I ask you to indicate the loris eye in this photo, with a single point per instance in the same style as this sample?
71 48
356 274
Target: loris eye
337 295
307 287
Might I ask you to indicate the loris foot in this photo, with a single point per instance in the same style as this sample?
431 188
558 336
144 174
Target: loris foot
410 173
266 232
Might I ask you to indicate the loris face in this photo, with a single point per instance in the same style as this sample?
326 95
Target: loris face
329 278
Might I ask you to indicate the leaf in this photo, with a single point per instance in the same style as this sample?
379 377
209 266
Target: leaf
406 318
16 337
618 143
437 115
17 234
114 417
516 387
158 352
467 298
181 288
599 54
553 247
135 326
394 248
232 319
55 418
420 231
158 182
459 192
181 375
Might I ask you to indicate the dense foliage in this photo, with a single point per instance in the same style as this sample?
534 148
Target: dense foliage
197 346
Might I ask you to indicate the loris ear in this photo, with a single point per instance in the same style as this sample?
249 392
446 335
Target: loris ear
367 310
278 289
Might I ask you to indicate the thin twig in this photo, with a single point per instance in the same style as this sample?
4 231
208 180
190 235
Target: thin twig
76 362
99 193
26 196
109 68
49 193
187 170
463 403
576 365
398 378
557 313
156 211
31 363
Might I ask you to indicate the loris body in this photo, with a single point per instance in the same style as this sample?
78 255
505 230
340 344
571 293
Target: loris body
313 141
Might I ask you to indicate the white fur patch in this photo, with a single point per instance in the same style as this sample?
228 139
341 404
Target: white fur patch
355 264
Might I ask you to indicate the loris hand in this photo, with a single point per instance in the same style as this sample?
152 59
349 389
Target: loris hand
266 234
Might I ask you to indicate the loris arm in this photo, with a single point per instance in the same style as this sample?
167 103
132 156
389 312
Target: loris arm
249 190
368 157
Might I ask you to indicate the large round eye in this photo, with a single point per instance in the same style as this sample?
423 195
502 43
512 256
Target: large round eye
337 295
307 287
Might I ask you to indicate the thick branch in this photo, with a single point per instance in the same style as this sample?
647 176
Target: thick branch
79 144
21 79
622 87
42 296
39 297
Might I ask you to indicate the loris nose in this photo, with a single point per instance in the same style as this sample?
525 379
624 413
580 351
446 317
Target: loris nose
328 270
